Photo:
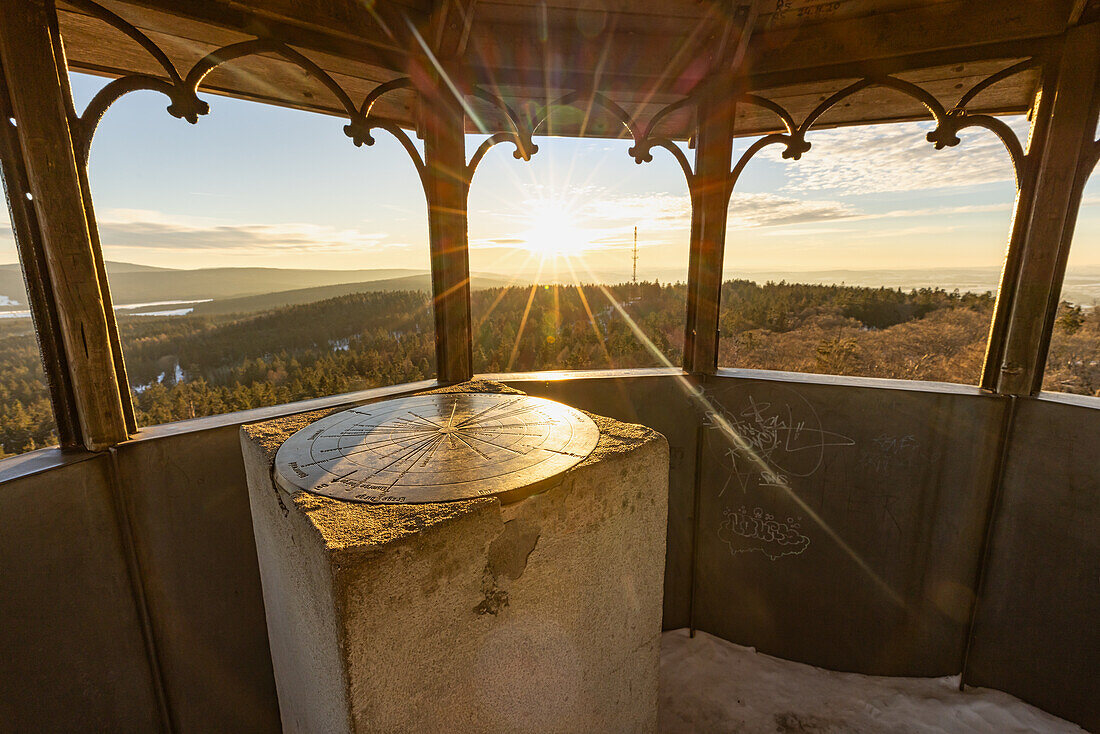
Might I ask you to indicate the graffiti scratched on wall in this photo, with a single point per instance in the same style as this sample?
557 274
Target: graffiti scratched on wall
769 442
764 446
746 530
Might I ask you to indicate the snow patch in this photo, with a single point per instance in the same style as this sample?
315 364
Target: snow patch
708 684
178 375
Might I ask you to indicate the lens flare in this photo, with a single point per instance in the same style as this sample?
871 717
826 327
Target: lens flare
555 231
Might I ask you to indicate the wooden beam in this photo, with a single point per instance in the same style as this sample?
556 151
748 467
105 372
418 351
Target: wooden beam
504 51
93 232
1062 137
709 203
32 258
920 28
447 187
449 27
373 31
31 72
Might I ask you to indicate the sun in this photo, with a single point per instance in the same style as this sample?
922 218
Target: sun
554 230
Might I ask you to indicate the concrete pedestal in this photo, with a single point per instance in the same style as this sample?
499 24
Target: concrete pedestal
469 616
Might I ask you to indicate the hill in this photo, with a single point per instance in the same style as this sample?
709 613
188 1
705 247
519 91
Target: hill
282 299
132 283
187 366
112 267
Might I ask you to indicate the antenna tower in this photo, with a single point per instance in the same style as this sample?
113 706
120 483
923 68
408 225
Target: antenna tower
635 256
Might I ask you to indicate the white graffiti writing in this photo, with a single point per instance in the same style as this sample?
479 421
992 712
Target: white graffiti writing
745 531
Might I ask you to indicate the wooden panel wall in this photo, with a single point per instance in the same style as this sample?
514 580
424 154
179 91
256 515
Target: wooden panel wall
72 653
844 528
1037 631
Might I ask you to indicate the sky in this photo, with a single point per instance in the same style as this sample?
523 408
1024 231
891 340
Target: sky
255 185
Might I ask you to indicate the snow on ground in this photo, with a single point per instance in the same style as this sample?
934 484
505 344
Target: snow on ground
710 685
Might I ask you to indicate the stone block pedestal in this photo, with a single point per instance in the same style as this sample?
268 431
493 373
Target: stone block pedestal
470 616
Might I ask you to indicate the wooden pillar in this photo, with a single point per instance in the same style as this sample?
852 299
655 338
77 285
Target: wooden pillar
447 187
709 204
32 74
1055 173
93 231
32 258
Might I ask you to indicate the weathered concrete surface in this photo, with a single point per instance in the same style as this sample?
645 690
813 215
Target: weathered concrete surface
543 615
71 652
1037 629
663 403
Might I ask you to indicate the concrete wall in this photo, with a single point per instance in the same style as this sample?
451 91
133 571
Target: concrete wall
1037 632
893 513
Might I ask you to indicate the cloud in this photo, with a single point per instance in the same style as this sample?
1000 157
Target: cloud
891 158
152 230
772 210
944 211
926 229
651 211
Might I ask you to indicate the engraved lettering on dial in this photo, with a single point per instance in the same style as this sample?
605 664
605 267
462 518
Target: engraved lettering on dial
436 448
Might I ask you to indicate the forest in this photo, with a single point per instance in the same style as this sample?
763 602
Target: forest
182 367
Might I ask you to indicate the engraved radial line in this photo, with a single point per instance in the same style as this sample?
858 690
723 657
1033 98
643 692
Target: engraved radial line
454 407
411 428
406 470
399 458
555 451
471 446
496 445
344 456
499 416
508 425
365 446
366 429
487 410
379 434
387 438
432 452
401 447
405 422
508 413
429 421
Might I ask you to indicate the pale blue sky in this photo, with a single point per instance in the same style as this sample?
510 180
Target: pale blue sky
253 185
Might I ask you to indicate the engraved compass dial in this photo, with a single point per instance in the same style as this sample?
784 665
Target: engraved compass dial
435 448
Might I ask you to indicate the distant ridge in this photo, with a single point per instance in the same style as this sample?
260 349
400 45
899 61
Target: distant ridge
132 283
140 283
112 267
270 301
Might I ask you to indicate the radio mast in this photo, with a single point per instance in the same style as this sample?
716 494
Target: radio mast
635 255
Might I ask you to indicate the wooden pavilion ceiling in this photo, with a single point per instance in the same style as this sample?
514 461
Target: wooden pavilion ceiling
643 54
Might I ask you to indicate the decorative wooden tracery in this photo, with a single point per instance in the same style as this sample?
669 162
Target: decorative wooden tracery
701 342
710 181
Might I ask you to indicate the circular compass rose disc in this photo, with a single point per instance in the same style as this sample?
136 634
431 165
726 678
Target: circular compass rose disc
436 448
